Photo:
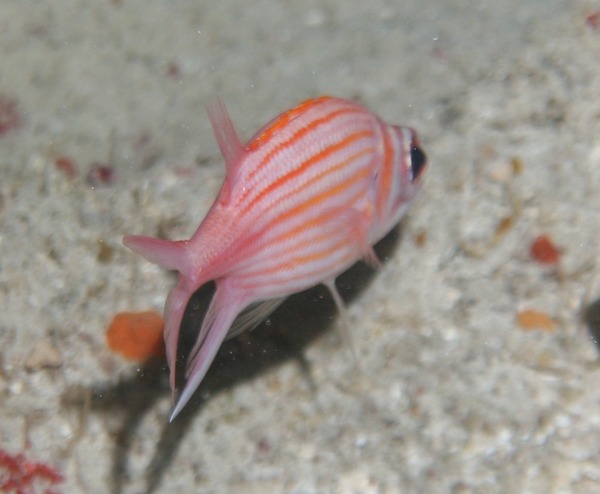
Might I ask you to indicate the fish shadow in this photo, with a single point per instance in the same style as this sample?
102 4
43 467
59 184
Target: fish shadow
591 317
301 319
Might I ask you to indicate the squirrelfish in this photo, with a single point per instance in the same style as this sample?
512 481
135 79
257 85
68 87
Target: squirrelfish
303 200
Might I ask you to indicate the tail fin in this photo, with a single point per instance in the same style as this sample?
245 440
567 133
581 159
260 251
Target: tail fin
224 308
175 306
167 253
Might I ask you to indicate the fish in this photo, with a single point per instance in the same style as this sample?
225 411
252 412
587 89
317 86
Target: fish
303 200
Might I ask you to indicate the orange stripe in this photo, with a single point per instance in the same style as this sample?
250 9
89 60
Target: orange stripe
304 226
283 120
319 255
299 208
281 181
299 260
361 174
319 219
387 172
293 139
313 202
299 275
278 267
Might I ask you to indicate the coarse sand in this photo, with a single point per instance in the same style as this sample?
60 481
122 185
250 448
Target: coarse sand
103 132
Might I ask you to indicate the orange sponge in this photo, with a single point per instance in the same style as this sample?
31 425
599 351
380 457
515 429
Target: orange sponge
137 335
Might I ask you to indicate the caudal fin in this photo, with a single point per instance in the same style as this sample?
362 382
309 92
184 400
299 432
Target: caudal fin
224 308
170 254
174 309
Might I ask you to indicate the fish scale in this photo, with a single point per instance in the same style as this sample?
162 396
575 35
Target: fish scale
302 201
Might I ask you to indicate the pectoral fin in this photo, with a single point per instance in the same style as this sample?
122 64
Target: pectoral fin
353 226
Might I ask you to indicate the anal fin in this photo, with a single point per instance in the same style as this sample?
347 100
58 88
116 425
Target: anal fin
253 315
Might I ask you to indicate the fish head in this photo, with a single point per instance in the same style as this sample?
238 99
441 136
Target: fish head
410 163
398 179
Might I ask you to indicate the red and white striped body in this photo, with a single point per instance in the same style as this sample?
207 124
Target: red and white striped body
302 201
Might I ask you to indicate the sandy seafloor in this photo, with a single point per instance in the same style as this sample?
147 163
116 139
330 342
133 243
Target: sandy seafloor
451 395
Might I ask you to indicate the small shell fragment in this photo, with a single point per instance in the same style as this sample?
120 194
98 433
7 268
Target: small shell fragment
44 355
529 320
137 335
544 251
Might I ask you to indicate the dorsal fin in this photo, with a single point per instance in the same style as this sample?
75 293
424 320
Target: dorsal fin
229 143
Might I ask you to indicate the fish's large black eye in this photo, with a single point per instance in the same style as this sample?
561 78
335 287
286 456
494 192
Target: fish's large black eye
418 160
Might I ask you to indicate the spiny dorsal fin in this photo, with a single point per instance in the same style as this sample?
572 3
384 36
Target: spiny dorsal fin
229 143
